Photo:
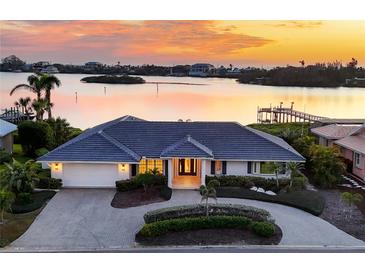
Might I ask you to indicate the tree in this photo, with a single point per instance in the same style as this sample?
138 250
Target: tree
6 200
12 63
326 165
50 82
35 85
207 192
303 144
40 106
18 177
25 103
277 169
351 199
34 135
294 168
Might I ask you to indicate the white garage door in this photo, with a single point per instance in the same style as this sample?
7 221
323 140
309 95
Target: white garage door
89 175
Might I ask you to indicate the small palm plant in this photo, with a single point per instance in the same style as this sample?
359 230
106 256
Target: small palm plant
6 200
25 103
351 199
207 192
277 169
294 171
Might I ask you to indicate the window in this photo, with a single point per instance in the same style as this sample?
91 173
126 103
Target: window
218 167
146 165
358 160
267 168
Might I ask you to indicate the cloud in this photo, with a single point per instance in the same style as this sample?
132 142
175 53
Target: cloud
133 41
298 24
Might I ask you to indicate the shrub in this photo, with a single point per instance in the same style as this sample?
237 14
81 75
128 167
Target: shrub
263 229
326 166
307 200
250 181
126 185
48 183
62 132
166 192
141 180
23 198
4 156
35 135
198 210
185 224
38 200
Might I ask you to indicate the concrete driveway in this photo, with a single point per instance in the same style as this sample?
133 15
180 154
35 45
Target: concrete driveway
82 219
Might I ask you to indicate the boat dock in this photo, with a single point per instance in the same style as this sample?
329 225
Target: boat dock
280 114
15 115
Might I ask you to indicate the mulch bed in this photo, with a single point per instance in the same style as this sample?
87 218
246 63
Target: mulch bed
137 197
210 237
351 220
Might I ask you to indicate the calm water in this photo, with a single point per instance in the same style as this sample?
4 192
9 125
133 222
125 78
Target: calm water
217 99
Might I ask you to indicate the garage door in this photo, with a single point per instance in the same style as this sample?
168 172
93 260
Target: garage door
89 175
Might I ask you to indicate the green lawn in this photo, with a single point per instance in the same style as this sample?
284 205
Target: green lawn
277 129
15 225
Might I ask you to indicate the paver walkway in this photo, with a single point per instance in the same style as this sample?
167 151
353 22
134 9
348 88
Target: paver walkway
82 219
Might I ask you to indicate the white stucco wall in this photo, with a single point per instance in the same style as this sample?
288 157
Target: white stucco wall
90 175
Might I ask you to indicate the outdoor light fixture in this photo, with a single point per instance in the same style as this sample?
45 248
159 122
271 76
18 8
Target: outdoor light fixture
122 167
56 166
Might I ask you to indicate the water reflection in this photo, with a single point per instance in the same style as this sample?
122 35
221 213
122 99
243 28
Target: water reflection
217 99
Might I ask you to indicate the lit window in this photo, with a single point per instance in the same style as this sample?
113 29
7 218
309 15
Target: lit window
218 167
146 165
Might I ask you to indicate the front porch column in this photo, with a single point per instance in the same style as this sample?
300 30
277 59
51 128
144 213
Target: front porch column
170 173
203 172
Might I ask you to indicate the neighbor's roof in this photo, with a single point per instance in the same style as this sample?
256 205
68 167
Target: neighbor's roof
6 128
128 139
355 143
334 131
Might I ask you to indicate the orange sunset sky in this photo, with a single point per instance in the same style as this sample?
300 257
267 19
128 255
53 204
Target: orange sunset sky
241 43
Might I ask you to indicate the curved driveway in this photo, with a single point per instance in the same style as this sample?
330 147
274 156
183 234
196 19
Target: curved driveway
82 219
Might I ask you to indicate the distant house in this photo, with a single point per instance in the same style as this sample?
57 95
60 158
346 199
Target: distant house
92 65
201 70
185 152
328 134
350 140
50 70
6 136
353 149
355 82
40 65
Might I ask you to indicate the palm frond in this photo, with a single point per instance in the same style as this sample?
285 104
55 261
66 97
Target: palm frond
24 86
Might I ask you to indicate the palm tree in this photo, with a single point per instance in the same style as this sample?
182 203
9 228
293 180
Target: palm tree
40 106
209 192
277 169
49 82
25 103
6 200
35 85
294 170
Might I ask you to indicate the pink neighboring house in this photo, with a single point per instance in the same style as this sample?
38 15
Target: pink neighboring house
350 140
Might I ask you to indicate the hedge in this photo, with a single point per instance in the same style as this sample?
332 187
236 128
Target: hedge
307 200
250 181
141 179
38 200
214 222
198 210
48 183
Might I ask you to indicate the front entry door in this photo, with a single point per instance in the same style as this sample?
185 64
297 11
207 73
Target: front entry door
187 167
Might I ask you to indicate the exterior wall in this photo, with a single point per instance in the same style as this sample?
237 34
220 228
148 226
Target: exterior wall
325 142
6 143
90 175
360 171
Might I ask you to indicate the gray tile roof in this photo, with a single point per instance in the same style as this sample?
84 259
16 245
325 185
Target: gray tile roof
127 139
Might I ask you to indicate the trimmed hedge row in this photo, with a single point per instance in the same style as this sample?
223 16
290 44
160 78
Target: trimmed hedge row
307 200
38 199
159 228
198 210
250 181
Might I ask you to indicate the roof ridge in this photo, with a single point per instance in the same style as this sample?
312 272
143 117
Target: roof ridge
191 140
119 145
